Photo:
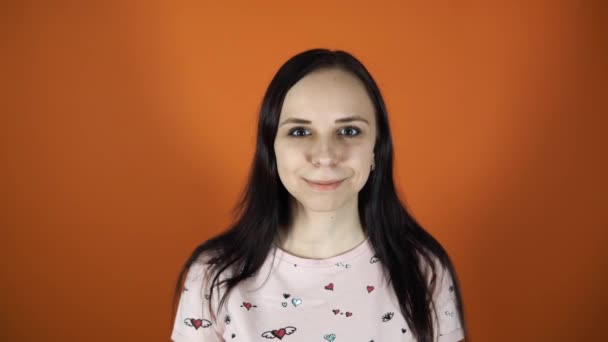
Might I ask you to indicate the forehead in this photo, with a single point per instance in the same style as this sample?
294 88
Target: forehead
327 93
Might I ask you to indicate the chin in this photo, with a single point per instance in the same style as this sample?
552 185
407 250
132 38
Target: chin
322 208
322 204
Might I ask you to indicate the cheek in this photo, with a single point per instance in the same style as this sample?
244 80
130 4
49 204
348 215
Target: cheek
362 171
288 163
284 155
361 166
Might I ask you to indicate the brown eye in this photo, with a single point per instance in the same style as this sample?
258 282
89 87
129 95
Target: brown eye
295 130
350 130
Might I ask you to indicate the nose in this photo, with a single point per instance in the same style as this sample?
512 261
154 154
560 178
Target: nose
324 153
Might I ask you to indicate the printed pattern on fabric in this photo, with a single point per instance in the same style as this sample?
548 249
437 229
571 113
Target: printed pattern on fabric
293 299
193 321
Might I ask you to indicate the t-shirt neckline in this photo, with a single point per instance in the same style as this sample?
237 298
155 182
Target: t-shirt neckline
361 248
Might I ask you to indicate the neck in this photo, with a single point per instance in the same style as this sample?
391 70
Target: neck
321 235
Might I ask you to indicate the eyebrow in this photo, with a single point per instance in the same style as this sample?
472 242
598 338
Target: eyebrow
341 120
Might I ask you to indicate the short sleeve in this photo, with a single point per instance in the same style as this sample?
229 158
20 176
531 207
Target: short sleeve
193 320
450 328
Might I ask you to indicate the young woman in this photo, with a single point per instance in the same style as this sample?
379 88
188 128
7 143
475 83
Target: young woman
322 248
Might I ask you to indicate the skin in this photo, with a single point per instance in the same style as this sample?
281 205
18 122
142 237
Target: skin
325 223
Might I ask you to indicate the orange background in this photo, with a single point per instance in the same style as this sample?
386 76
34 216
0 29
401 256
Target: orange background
128 127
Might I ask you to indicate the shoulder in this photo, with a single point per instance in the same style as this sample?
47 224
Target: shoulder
195 318
440 278
446 315
202 271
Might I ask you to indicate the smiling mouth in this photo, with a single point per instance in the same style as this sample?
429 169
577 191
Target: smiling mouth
324 185
325 182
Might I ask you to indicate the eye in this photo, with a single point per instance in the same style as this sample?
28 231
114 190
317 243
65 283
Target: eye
297 129
351 132
351 129
387 316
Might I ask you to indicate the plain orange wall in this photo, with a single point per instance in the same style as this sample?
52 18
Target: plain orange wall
128 127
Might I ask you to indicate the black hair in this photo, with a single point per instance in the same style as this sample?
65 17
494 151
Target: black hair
401 244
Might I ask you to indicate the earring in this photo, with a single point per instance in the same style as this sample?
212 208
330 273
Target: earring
373 164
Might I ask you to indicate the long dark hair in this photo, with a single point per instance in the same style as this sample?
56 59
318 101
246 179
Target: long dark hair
398 240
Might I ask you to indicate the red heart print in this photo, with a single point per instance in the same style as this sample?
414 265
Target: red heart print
348 314
247 305
197 323
336 311
329 286
279 333
370 289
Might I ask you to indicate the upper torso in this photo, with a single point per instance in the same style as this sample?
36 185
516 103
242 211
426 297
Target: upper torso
293 299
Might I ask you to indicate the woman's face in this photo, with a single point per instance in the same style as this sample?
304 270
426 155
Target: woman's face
327 131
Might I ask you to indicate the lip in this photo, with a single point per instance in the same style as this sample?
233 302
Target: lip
324 185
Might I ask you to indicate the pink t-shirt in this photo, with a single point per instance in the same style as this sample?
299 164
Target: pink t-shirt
340 299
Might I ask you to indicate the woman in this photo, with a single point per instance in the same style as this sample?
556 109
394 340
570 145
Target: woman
322 249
